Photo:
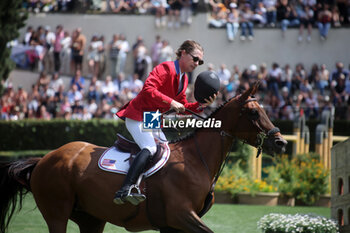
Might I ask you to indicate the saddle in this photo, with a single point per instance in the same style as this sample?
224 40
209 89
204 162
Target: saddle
125 145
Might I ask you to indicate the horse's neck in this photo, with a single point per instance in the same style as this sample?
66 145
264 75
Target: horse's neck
214 144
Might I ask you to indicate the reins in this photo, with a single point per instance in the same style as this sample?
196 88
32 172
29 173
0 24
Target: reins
224 158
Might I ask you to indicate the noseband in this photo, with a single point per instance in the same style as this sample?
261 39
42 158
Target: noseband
262 135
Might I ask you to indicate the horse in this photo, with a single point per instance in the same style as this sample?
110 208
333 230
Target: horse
68 184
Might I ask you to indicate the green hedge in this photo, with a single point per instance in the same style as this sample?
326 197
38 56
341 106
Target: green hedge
47 135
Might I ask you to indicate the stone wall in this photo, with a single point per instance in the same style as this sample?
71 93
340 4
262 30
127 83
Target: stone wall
340 178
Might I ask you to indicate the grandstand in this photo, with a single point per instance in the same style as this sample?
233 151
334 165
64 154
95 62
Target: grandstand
267 48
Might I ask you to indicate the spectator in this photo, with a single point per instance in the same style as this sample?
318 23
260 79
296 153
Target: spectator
113 54
144 6
117 6
260 14
28 35
312 105
56 82
123 46
286 110
94 58
36 56
74 95
42 81
246 17
108 87
174 13
43 113
94 90
298 77
159 7
232 24
306 15
155 51
143 62
48 58
314 74
224 75
135 84
288 16
335 17
218 14
286 78
253 74
166 52
274 77
78 80
271 12
138 45
66 53
324 21
323 82
262 76
78 47
186 12
340 97
57 47
338 72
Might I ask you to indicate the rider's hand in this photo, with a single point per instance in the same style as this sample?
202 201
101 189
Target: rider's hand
209 101
178 107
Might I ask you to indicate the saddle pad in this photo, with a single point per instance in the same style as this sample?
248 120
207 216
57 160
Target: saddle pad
113 160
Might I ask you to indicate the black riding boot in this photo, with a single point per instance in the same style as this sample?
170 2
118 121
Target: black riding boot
136 168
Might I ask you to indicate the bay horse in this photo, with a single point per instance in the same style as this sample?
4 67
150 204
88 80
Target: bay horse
68 184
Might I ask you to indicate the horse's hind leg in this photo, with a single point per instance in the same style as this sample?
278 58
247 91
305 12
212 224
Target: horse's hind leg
56 213
87 223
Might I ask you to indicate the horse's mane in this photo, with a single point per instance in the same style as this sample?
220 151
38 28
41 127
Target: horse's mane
191 134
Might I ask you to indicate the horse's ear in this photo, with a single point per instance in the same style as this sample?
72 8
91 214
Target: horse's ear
246 94
255 87
251 91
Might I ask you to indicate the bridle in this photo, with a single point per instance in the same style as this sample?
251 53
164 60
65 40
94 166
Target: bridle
262 135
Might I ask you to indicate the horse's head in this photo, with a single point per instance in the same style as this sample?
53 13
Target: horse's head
255 127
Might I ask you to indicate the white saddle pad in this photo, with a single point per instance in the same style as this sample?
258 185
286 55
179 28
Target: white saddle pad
113 160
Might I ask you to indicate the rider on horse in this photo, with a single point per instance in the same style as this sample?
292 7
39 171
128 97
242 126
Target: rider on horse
164 88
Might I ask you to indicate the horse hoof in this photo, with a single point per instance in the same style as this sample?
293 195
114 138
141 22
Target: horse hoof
135 198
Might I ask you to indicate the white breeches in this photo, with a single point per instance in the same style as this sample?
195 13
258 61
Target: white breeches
144 139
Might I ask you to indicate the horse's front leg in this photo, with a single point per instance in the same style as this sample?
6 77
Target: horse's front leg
189 222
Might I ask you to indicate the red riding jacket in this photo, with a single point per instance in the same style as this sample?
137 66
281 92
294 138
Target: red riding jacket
160 88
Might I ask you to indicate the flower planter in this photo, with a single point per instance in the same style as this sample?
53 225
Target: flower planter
223 198
286 201
324 201
269 199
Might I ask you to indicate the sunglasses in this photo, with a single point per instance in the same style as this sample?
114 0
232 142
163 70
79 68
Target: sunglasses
195 59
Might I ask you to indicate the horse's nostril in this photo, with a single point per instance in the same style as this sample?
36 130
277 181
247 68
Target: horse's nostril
280 143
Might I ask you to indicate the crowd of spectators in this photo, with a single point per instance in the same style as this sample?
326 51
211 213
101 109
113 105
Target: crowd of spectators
230 14
168 13
59 52
304 14
285 91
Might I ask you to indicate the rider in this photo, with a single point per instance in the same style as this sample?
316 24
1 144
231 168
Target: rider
164 88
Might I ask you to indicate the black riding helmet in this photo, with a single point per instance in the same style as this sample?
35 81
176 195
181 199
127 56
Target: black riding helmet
207 84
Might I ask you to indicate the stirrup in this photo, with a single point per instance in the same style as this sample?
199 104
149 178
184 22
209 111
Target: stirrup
135 198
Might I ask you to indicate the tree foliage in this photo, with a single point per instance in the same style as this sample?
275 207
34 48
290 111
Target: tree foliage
12 18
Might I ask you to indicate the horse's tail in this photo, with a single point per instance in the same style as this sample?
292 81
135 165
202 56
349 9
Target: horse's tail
14 184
